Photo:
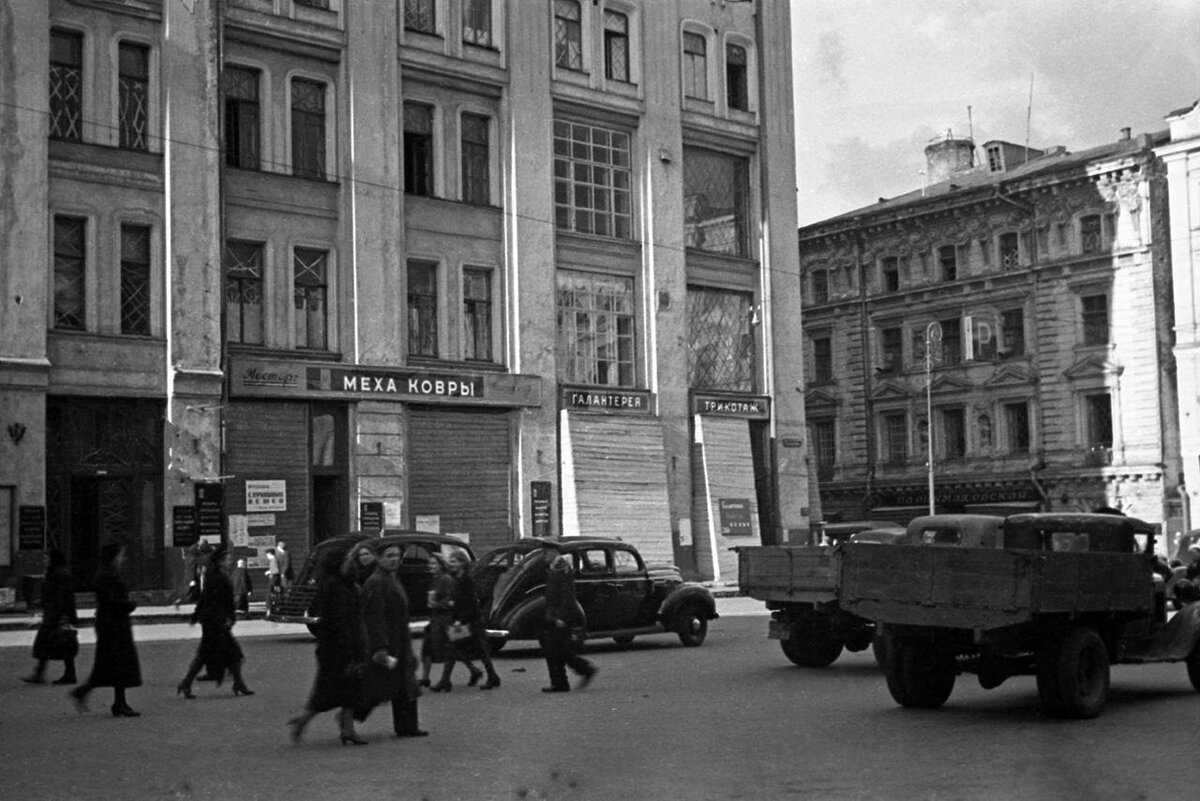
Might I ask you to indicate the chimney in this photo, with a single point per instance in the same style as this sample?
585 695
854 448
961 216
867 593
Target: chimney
1125 132
949 157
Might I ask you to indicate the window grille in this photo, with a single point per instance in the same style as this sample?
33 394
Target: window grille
475 160
721 346
616 46
716 189
824 446
737 93
952 349
891 350
948 261
895 438
1091 234
419 16
70 273
310 295
135 280
477 22
1010 251
133 95
312 3
240 87
695 66
244 292
822 359
477 314
592 179
418 149
308 128
1098 419
568 34
595 329
422 309
66 86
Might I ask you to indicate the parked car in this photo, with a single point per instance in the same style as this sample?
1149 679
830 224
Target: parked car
298 603
622 596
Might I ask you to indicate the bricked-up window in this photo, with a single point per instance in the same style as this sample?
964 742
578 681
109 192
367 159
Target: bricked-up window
889 273
70 273
1012 332
1010 251
135 280
244 292
720 342
1095 319
308 128
133 95
616 46
716 202
595 329
418 149
695 66
242 117
592 180
948 262
822 359
477 22
1091 237
422 308
952 346
1098 423
824 444
737 91
891 349
568 34
820 286
310 289
66 85
953 432
1016 426
477 314
894 437
419 16
475 160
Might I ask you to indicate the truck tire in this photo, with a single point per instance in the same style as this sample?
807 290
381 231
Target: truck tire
919 674
1193 667
1073 676
812 644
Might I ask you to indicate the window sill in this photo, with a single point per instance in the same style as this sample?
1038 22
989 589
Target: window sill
448 365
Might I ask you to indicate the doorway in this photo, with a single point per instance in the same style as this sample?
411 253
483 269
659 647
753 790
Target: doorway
328 516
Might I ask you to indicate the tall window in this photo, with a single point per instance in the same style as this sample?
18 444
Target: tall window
418 149
595 329
695 66
1010 251
737 92
133 95
616 46
1098 423
824 446
1091 237
422 309
895 438
1012 332
310 287
889 273
952 346
477 314
954 433
891 349
592 180
1095 319
716 202
419 16
244 292
66 85
308 128
820 286
135 280
720 341
70 265
475 160
1016 425
568 35
948 262
822 359
242 126
477 22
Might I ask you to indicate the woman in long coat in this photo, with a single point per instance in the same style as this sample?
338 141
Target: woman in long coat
465 610
441 615
216 612
391 674
58 610
116 662
341 648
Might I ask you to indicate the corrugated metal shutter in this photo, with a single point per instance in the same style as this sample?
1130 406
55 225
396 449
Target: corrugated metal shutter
724 469
460 469
270 441
619 465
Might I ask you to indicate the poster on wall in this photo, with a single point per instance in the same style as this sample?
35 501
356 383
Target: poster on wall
266 495
370 517
735 517
210 512
183 526
539 494
430 523
31 528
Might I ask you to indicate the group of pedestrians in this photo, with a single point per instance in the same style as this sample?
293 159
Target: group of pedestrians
456 631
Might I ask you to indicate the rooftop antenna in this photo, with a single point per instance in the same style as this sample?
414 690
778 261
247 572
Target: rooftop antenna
1028 117
971 134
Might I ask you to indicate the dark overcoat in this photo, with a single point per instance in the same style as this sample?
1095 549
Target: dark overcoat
58 608
341 645
116 663
386 617
216 612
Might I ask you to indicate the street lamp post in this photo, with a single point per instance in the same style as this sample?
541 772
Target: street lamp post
933 334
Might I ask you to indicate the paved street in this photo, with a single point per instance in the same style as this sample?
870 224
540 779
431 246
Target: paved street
730 720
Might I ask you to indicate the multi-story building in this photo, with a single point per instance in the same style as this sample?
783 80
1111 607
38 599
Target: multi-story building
1019 309
284 268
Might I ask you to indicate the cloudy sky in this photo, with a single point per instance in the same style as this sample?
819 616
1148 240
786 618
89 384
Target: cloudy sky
877 80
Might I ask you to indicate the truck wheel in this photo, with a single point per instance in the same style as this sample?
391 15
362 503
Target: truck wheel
1075 676
919 674
1193 666
812 644
693 625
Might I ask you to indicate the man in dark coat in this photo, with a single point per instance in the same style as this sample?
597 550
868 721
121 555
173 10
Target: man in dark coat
116 661
392 675
564 628
216 612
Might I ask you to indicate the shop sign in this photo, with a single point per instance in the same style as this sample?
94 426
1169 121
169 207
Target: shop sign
370 516
792 442
266 495
381 382
607 400
745 407
210 512
956 494
735 516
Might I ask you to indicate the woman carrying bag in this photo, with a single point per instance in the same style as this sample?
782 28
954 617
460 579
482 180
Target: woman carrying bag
57 638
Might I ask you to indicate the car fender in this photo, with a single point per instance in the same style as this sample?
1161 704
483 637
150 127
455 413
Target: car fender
524 622
681 596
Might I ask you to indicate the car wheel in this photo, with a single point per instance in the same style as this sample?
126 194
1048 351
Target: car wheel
692 625
1193 666
623 639
812 643
1073 677
919 673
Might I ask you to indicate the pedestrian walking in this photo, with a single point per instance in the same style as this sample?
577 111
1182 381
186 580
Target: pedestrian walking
441 615
216 613
341 649
274 580
243 587
364 563
565 628
466 639
283 560
57 637
391 673
194 557
116 660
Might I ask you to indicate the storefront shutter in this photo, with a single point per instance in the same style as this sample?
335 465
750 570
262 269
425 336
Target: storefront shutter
723 469
460 470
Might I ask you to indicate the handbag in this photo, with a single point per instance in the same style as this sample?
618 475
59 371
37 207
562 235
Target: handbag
458 631
62 643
